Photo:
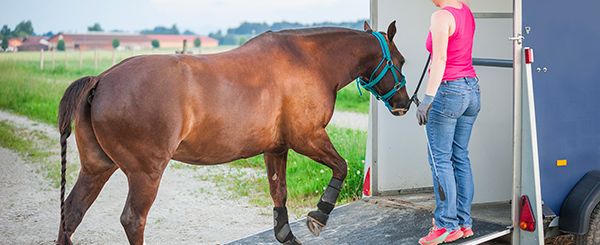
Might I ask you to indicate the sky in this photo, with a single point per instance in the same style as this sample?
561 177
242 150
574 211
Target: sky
200 16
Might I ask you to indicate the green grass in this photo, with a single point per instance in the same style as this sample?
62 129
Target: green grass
348 99
9 139
32 145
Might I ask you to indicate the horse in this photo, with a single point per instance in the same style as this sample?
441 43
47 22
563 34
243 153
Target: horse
274 93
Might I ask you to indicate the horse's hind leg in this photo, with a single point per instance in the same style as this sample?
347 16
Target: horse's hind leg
143 186
96 169
319 148
276 167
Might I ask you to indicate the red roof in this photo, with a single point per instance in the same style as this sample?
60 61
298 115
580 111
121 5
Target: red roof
14 42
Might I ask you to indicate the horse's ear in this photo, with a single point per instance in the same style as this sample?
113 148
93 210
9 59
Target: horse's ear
391 32
367 27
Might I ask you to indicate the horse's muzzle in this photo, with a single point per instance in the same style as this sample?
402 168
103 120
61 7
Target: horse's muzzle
399 111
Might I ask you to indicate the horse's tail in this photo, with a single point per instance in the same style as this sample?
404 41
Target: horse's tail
73 97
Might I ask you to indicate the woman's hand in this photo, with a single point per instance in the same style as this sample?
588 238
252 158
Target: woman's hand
423 110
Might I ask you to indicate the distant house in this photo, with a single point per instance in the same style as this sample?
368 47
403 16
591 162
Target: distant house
176 41
34 43
101 40
13 44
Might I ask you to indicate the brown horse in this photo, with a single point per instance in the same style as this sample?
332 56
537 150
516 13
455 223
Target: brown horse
274 93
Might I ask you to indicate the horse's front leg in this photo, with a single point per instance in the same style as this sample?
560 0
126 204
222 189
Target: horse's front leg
320 149
276 167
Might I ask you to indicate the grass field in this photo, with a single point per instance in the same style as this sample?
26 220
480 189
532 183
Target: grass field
35 93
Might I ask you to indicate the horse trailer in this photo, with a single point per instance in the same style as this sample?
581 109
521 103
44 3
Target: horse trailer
535 148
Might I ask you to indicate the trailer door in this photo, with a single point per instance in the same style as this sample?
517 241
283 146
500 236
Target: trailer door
565 37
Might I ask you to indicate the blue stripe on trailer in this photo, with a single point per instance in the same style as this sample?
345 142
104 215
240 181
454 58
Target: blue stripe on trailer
565 37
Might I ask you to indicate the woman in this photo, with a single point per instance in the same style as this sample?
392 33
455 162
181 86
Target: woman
449 110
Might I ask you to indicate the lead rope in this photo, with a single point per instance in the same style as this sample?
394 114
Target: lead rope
414 97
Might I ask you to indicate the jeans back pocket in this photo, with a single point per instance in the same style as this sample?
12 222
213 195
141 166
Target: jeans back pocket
452 101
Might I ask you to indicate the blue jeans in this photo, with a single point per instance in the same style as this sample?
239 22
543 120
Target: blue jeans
449 126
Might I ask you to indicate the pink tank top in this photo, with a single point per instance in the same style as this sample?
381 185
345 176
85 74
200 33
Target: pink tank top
459 62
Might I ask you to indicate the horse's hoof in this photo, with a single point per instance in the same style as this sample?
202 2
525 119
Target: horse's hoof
316 221
294 241
315 227
63 239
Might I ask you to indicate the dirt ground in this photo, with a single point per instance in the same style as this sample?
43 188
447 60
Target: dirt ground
189 209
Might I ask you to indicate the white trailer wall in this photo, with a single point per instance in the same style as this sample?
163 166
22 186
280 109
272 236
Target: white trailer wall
397 146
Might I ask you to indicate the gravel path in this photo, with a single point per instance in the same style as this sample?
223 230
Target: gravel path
189 209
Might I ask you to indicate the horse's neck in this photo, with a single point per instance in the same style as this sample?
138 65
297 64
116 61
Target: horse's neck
348 57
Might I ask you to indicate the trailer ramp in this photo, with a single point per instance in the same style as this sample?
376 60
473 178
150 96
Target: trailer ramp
400 219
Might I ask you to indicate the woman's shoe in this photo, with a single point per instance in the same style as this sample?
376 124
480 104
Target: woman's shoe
436 236
455 235
467 232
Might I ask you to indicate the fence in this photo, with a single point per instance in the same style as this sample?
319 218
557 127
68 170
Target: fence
102 59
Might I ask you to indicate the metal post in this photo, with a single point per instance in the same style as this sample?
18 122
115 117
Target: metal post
95 59
53 60
80 58
42 59
65 59
517 127
373 117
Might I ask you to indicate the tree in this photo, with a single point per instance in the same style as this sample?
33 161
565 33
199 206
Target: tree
116 43
5 32
161 30
197 42
23 29
95 27
155 43
60 46
243 40
4 35
249 28
188 32
4 42
174 30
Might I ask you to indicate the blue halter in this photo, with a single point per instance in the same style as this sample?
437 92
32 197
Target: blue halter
388 66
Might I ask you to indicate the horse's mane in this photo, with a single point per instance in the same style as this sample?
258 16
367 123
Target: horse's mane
305 33
315 31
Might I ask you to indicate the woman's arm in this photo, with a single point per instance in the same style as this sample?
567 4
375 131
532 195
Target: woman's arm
441 22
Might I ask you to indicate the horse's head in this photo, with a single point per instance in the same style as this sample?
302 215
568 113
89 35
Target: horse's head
385 79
